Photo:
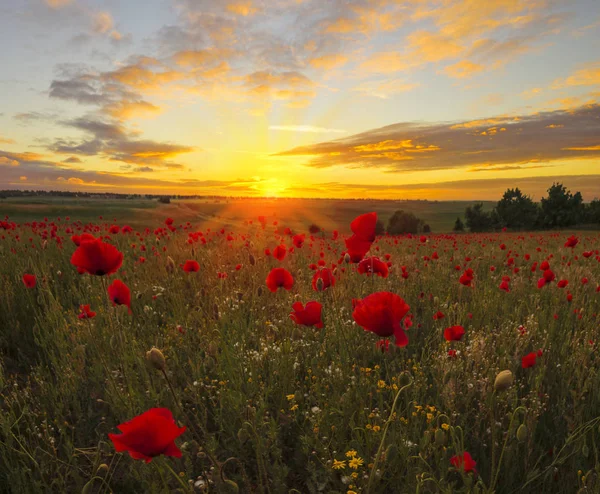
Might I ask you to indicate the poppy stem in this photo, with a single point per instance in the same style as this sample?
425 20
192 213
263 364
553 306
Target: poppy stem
179 479
381 444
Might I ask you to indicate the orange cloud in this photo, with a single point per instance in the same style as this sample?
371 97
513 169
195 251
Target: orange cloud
328 62
463 69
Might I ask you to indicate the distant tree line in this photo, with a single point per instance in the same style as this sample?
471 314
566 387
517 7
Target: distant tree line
517 211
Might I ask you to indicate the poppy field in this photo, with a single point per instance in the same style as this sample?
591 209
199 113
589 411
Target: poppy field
265 359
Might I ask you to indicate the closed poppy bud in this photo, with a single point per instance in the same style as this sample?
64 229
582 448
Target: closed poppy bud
156 359
522 433
230 487
440 437
213 349
102 470
170 264
504 380
320 284
243 435
405 378
259 291
251 260
347 258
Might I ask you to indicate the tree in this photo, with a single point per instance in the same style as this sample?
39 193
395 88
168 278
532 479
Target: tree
379 228
314 229
561 208
516 210
426 228
403 222
459 226
478 220
592 212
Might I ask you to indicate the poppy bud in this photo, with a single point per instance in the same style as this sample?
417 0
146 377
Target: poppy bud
156 359
138 295
347 258
504 380
405 378
170 264
240 295
102 470
243 435
251 260
522 433
440 437
230 487
259 291
320 284
213 349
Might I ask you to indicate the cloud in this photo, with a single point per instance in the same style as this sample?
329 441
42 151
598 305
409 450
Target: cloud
6 140
330 61
33 116
58 4
385 88
72 159
305 128
520 140
586 76
463 69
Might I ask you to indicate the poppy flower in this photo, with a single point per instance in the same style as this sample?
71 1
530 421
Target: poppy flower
191 266
326 278
86 313
298 240
454 333
504 286
438 315
363 226
466 278
464 462
29 280
357 248
77 239
547 277
279 277
529 360
383 346
373 265
119 294
308 315
572 241
562 283
148 435
279 252
97 257
382 314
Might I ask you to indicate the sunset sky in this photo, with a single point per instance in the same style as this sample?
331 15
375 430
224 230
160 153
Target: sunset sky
432 99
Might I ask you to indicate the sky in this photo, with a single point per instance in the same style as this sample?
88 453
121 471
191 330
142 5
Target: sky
401 99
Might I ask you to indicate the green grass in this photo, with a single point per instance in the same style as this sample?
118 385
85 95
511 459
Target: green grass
286 401
330 214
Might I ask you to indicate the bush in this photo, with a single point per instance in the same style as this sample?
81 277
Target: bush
314 229
403 222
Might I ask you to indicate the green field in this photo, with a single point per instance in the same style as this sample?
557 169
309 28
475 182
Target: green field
330 214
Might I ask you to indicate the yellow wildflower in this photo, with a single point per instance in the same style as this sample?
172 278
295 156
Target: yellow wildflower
351 454
339 465
290 397
445 426
355 462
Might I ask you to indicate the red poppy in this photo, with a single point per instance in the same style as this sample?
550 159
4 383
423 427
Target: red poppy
382 313
191 266
383 345
547 277
373 265
504 285
119 294
97 257
438 315
309 315
86 313
454 333
326 278
150 434
77 239
279 252
467 277
572 241
169 221
357 247
279 277
114 229
451 353
29 280
528 360
464 462
298 240
363 226
562 283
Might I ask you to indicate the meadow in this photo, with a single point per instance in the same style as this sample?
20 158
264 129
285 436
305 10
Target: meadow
236 352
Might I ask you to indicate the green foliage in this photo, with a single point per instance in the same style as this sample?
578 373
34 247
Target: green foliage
459 226
561 208
379 228
516 210
404 222
478 220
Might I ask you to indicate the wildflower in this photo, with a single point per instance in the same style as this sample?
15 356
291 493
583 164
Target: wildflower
29 280
156 359
371 265
119 294
86 313
339 464
529 360
363 226
381 313
454 333
309 315
351 453
191 266
356 462
504 380
149 435
97 258
279 277
326 279
464 462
